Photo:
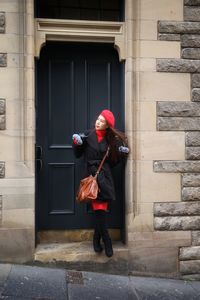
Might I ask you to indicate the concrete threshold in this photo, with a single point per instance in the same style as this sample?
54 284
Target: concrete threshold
81 256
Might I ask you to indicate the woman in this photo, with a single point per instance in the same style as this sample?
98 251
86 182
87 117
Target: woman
93 144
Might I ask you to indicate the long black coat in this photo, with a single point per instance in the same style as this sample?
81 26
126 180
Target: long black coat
94 152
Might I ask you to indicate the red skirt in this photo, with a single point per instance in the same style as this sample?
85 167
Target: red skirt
99 205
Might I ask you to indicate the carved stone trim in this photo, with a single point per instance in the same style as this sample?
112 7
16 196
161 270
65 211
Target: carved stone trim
80 31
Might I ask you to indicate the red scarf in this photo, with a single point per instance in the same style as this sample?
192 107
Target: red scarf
100 135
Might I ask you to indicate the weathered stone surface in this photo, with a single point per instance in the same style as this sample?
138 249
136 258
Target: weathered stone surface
2 122
178 27
190 179
1 210
195 79
178 123
177 223
177 65
2 169
191 53
190 267
17 245
72 256
3 59
2 106
196 94
192 138
191 194
196 238
169 37
192 13
176 166
192 153
2 22
176 209
190 40
177 109
191 2
187 253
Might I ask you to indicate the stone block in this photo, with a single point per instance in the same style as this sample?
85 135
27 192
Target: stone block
177 65
189 253
154 86
176 166
192 13
160 239
2 22
169 37
3 60
2 106
176 209
192 2
2 122
190 180
196 94
196 238
17 245
156 260
178 123
2 169
191 53
192 153
190 40
177 223
190 267
159 49
192 138
177 109
195 80
178 27
190 194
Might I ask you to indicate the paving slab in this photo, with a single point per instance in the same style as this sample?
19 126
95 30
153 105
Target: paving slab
91 286
163 289
4 272
27 282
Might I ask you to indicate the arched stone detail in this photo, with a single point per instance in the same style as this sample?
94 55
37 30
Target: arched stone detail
80 31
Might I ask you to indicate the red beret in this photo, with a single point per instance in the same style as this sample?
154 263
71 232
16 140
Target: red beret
109 117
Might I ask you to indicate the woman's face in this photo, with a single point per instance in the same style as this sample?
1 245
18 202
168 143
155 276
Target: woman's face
101 123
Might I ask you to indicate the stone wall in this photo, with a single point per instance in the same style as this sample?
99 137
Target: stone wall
183 116
16 115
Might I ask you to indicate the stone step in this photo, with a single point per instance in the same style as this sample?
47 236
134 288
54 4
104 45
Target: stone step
81 256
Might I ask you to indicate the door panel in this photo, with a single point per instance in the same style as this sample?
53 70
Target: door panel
74 83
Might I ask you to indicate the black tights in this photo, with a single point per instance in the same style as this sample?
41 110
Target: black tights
100 222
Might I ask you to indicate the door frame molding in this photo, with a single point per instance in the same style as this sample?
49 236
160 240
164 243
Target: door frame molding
80 31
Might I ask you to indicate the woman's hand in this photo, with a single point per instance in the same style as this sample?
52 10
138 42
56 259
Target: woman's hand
77 139
123 149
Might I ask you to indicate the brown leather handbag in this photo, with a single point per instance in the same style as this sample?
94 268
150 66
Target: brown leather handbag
88 188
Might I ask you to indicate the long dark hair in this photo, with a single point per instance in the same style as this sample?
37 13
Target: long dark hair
115 138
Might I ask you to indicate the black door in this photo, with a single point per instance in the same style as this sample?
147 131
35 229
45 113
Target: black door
74 83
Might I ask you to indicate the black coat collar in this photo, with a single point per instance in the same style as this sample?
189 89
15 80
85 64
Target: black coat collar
93 142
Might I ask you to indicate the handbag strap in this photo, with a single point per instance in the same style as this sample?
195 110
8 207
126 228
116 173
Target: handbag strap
102 162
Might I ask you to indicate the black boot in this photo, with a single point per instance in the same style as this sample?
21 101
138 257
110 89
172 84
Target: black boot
96 242
108 244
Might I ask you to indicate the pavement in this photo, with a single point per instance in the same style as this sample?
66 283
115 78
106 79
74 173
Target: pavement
21 282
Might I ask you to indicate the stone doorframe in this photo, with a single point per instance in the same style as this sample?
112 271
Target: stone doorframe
121 35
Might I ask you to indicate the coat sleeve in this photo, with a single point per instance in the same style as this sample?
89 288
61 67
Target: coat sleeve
120 156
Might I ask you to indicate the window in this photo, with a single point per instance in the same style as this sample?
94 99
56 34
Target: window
96 10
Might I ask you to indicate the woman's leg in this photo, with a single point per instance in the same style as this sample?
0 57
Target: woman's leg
97 236
101 226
